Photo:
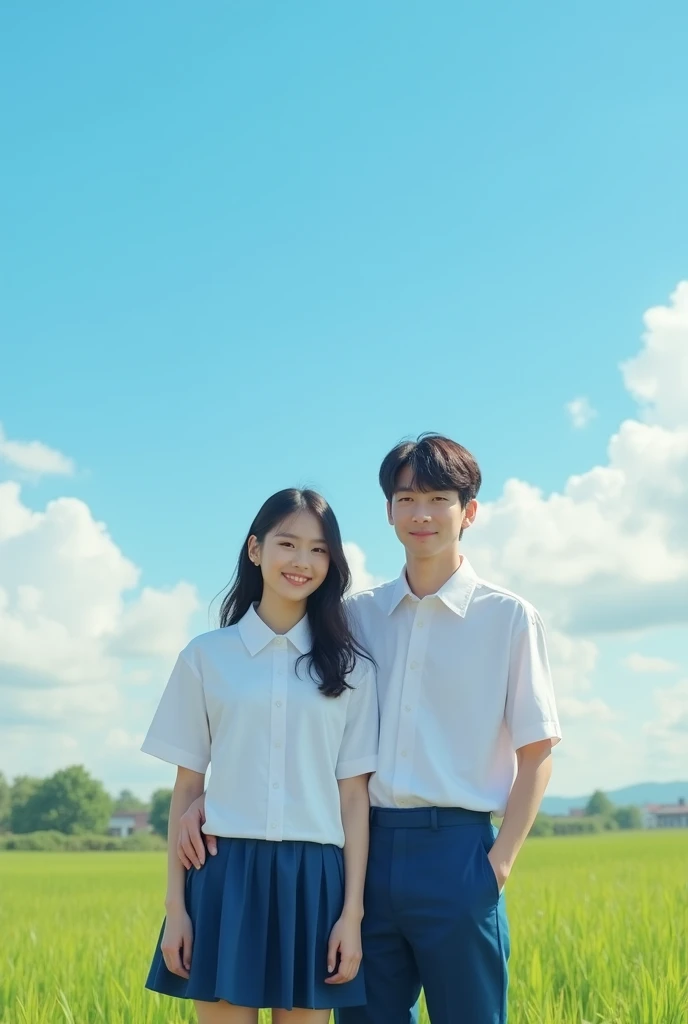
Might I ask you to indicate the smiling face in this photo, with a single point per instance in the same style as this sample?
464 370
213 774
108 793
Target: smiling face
294 557
427 523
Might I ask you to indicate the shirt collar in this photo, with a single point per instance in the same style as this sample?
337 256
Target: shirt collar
456 593
256 634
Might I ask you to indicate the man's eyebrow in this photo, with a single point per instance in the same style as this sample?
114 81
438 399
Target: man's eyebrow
293 536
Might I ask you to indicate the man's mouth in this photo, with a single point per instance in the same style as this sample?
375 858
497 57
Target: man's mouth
296 579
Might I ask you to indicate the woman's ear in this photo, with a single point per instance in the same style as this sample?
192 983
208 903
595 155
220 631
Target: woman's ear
254 550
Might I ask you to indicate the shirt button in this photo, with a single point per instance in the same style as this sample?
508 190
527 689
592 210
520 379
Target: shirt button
414 664
278 703
407 708
280 641
278 744
403 753
420 624
273 824
275 785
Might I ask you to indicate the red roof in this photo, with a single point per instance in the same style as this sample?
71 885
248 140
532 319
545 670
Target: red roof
668 808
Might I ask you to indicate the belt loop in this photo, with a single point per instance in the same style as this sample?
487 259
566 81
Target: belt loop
433 819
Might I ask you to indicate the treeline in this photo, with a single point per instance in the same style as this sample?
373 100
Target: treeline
71 810
600 815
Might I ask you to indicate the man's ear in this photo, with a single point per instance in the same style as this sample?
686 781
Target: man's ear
469 514
390 520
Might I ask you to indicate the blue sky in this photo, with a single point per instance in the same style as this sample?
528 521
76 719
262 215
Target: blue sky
252 245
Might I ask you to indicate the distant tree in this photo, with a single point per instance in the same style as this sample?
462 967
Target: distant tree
599 804
5 803
23 789
69 801
628 817
542 826
577 826
160 811
127 801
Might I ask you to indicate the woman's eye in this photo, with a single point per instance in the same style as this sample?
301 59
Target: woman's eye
320 551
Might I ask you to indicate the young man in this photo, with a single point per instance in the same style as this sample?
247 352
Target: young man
468 720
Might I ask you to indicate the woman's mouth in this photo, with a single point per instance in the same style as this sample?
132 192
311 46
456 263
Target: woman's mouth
296 579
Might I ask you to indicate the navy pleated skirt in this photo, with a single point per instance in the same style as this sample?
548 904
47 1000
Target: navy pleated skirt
262 913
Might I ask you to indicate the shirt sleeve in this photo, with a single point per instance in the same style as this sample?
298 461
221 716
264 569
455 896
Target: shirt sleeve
531 713
179 732
358 751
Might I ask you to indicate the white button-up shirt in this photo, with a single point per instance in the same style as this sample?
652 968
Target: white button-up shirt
463 683
275 744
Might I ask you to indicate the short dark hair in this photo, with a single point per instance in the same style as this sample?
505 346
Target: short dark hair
437 464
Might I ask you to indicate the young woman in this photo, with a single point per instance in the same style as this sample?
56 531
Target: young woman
281 703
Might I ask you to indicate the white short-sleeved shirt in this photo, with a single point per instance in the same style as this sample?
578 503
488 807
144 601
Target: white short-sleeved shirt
463 682
275 743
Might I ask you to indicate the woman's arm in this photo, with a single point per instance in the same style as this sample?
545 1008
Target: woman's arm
177 938
346 934
187 787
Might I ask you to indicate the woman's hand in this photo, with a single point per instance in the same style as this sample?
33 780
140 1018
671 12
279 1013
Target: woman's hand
345 939
177 940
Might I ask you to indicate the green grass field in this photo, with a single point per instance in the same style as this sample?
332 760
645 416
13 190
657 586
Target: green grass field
599 928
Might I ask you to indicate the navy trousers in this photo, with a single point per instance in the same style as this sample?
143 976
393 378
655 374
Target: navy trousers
434 918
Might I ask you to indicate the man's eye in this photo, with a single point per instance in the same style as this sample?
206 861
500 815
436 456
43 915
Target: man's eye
285 544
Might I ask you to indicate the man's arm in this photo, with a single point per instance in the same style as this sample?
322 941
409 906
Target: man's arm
191 842
534 773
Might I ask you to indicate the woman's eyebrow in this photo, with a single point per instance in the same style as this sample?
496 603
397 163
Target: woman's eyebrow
293 536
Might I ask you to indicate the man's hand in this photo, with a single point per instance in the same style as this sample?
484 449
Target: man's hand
191 843
345 940
501 870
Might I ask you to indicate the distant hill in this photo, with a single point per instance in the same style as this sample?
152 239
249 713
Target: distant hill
640 794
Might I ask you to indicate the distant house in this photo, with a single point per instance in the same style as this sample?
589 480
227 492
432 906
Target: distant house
125 823
667 815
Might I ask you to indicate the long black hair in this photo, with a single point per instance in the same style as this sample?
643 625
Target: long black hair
334 649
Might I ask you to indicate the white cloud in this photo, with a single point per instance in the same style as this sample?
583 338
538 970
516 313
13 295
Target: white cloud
610 551
667 734
580 412
64 615
34 457
78 640
658 377
120 739
361 578
642 663
157 622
